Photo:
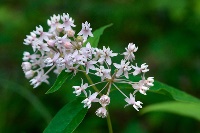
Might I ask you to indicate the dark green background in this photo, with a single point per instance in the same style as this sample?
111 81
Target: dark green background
167 33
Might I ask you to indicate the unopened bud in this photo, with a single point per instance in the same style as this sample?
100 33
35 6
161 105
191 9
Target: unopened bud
59 28
79 39
29 74
104 100
68 45
70 33
51 43
26 66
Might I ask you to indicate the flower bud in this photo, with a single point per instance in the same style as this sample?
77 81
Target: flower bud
79 39
68 45
51 43
29 74
59 28
70 33
26 66
104 100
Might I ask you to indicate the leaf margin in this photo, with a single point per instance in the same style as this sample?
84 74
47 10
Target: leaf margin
62 77
96 35
52 127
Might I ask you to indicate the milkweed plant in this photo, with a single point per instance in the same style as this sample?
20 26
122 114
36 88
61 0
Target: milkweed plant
66 53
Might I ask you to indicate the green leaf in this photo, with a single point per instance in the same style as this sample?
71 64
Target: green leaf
176 94
68 118
97 33
164 89
62 77
185 109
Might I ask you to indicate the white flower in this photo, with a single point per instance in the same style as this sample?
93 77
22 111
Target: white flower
61 41
49 61
97 54
68 22
54 23
30 38
149 81
104 100
60 62
86 31
79 89
103 73
77 58
87 51
140 86
36 81
68 60
129 52
131 101
92 98
62 50
55 18
90 65
40 45
101 112
138 70
43 35
106 54
122 68
26 56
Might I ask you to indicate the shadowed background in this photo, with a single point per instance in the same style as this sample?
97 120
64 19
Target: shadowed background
167 34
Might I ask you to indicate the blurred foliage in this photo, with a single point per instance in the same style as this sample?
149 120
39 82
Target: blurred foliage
167 33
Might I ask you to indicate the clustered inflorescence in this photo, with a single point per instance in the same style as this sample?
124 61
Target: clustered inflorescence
59 49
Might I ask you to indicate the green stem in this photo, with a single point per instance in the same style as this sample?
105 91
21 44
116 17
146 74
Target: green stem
109 122
89 79
95 88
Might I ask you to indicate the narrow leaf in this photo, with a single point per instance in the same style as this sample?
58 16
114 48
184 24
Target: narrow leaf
97 33
62 77
176 94
185 109
68 118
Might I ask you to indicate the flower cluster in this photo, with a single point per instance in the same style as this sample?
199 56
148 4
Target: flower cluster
60 49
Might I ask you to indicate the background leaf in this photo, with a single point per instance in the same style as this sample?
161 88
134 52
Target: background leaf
62 77
97 33
185 109
68 118
29 96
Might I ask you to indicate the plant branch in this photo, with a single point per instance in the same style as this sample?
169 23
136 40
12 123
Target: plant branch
89 79
97 90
